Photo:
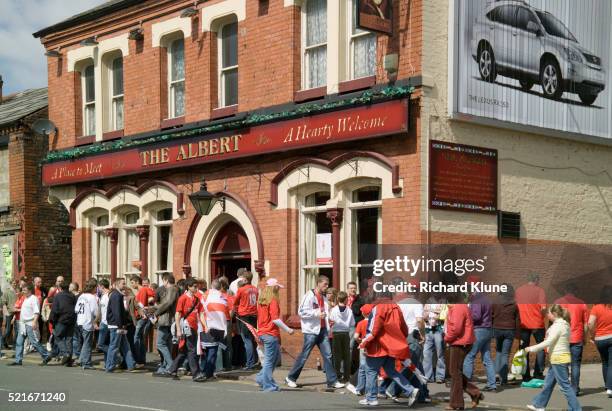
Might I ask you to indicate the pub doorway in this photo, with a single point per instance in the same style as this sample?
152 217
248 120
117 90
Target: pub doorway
230 252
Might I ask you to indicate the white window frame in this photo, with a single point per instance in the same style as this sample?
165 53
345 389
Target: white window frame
350 221
125 262
305 49
223 70
304 210
155 244
115 98
351 37
97 231
87 131
172 83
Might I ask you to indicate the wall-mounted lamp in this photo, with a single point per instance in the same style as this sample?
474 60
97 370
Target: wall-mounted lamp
189 12
136 34
204 201
53 53
90 41
391 65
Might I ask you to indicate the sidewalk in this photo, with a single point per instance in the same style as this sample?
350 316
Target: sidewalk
510 398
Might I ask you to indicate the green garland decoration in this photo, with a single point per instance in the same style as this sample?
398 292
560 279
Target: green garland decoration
367 97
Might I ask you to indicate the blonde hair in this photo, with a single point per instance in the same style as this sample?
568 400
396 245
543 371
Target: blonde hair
267 295
560 312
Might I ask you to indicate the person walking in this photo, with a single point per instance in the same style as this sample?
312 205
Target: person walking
600 325
386 342
30 311
481 310
434 315
557 343
63 318
531 301
579 319
360 333
7 308
506 321
343 322
144 297
214 326
103 332
164 314
460 336
269 324
189 312
246 303
118 319
86 310
314 313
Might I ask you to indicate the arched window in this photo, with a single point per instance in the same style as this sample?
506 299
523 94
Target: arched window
100 246
116 93
176 78
315 240
88 93
161 243
130 241
365 225
228 64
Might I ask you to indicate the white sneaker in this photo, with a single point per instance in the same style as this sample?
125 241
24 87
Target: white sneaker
534 408
368 403
413 397
337 385
290 384
609 392
392 397
351 388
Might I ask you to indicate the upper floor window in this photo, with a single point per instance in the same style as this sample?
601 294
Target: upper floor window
176 78
314 43
88 86
228 64
116 93
362 49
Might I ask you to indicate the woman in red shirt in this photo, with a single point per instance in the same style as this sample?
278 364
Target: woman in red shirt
600 324
268 330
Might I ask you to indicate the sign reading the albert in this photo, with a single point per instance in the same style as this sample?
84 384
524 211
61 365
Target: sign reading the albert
462 178
381 119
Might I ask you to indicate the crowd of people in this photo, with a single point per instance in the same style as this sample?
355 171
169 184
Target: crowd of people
373 344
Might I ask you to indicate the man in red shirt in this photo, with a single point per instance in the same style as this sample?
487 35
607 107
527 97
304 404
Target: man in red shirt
189 311
579 319
144 296
531 301
246 308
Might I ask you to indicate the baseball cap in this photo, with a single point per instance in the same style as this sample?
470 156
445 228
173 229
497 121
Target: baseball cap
273 282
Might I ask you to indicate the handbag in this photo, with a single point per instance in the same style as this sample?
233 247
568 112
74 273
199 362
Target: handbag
184 324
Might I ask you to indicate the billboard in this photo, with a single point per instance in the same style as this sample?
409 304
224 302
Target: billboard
537 63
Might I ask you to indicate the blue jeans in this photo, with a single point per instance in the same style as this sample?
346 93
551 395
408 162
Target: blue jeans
140 340
557 374
85 357
434 340
208 362
503 345
373 366
482 345
576 352
103 339
322 341
605 351
361 373
118 343
164 345
34 341
77 342
265 378
247 339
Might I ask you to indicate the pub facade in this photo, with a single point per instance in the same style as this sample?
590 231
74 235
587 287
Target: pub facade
300 127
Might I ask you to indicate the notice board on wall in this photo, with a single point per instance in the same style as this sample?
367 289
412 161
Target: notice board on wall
462 178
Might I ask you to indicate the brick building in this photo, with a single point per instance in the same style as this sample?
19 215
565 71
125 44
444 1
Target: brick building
34 234
308 130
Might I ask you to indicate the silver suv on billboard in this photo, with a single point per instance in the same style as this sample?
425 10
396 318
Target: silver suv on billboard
514 39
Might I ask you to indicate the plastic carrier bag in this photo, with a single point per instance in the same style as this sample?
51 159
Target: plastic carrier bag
518 363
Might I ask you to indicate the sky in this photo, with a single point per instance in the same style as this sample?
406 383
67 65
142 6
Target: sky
22 60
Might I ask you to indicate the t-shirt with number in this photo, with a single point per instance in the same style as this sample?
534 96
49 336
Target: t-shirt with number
246 300
183 306
86 309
